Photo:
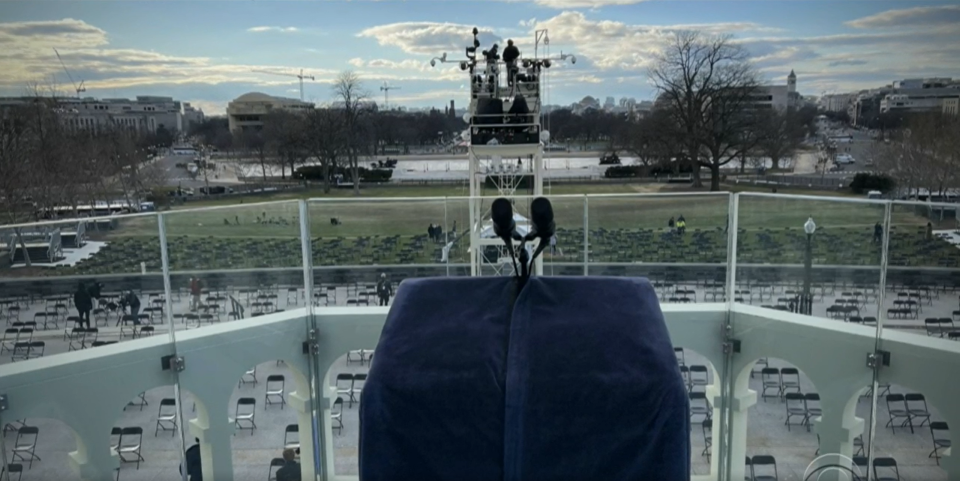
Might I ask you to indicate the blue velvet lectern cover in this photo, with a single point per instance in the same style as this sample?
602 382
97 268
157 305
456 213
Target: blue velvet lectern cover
575 380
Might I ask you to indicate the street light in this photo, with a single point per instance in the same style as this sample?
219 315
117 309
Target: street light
806 301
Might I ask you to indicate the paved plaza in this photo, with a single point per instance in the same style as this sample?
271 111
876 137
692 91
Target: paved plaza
793 449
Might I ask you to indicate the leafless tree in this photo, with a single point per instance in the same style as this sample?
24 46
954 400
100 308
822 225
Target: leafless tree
709 87
253 143
350 95
285 137
326 141
780 134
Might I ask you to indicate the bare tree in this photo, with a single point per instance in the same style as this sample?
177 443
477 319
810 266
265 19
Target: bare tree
708 86
285 136
348 89
780 134
253 142
325 141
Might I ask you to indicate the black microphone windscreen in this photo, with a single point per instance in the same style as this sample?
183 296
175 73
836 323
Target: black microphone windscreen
541 212
501 213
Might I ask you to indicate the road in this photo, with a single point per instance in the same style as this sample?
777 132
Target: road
179 177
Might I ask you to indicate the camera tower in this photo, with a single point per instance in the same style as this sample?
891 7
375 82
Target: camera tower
505 144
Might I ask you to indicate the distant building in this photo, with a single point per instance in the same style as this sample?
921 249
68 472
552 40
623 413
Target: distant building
144 114
247 111
923 83
836 102
914 100
779 97
951 106
609 103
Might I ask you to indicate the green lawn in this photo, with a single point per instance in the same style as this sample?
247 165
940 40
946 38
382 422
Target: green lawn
382 229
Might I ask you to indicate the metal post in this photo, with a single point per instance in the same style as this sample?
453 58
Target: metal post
586 234
315 379
167 293
881 318
806 302
726 380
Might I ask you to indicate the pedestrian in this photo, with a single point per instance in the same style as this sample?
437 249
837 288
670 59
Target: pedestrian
196 288
131 300
671 223
553 245
291 468
95 290
877 233
510 56
194 464
681 225
384 290
83 303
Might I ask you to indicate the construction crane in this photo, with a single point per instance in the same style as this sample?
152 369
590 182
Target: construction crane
386 93
79 88
300 76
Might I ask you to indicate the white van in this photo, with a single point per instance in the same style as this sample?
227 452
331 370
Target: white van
843 159
874 194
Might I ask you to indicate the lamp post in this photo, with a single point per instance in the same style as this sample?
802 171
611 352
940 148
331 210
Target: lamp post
806 300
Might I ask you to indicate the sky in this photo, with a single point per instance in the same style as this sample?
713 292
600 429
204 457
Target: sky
205 52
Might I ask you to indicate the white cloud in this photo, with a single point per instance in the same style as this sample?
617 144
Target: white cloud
262 29
356 62
911 17
428 38
565 4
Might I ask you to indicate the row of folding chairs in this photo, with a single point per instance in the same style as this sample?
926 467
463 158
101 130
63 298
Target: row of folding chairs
805 406
13 335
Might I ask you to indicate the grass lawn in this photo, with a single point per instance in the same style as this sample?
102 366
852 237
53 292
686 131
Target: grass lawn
380 229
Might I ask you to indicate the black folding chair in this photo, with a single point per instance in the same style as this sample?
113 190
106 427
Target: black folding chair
131 441
26 445
166 416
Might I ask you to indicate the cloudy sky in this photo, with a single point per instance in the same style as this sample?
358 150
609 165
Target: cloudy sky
205 51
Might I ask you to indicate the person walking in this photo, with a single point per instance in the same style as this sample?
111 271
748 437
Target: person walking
291 468
83 303
384 290
196 287
94 290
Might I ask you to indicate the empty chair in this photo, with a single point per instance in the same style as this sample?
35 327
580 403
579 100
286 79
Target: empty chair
166 416
789 379
274 463
274 395
770 377
336 414
678 351
887 471
131 440
355 355
897 408
9 338
140 401
344 385
764 468
26 445
917 408
291 436
941 439
14 468
249 377
245 414
796 407
699 406
698 377
811 402
358 381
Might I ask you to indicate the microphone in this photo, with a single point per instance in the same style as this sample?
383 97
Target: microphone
501 212
541 214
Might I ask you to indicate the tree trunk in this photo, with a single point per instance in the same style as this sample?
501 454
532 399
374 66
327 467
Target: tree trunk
714 177
355 172
23 245
775 162
263 167
326 176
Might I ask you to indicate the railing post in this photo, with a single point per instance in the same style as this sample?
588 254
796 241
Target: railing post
586 234
315 377
726 381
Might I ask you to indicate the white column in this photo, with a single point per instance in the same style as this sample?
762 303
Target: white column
92 464
215 450
304 421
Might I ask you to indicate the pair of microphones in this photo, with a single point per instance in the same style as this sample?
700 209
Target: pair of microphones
505 227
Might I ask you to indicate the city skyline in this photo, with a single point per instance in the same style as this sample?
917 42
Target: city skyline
203 53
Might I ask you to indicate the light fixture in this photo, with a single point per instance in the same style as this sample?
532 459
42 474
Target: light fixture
546 63
810 226
463 65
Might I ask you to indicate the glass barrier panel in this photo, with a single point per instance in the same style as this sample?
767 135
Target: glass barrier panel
356 243
457 226
802 388
63 282
679 242
920 312
565 254
237 275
